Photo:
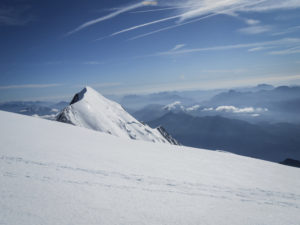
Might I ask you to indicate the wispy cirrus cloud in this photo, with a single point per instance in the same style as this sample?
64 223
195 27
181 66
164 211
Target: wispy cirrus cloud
252 21
182 16
156 10
172 26
256 49
281 43
144 25
202 7
22 86
112 15
177 47
288 51
192 11
287 31
256 29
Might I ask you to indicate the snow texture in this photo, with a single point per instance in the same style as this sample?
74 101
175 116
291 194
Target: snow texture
54 173
91 110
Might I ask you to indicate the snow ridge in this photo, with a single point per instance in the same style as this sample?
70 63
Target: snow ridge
91 110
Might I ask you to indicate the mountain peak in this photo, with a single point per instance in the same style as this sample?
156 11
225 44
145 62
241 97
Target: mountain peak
89 95
78 96
91 110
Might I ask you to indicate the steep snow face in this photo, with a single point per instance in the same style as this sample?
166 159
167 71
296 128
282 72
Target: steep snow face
53 174
91 110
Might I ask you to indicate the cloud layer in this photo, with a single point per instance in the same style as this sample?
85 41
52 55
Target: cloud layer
190 11
291 43
233 109
194 8
112 15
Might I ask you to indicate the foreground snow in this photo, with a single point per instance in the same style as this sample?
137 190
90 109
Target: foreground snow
54 173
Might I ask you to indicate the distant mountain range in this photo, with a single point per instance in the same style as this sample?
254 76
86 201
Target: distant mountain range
274 142
137 102
263 103
257 99
30 108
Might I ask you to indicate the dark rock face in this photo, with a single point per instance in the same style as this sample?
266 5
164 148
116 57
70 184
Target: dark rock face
291 162
61 117
78 96
167 136
75 99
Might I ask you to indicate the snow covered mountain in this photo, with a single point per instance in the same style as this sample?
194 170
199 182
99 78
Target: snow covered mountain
91 110
53 173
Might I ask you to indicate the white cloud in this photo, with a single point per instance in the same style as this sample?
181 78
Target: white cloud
179 46
29 86
112 15
203 7
255 29
180 17
256 49
156 10
186 10
208 109
173 106
192 108
252 22
233 109
172 26
144 25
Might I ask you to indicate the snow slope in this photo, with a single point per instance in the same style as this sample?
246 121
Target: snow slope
53 173
91 110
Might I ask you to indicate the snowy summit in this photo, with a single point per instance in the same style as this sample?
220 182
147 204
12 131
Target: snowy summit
91 110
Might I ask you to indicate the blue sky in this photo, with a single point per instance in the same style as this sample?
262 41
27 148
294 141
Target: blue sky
51 49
